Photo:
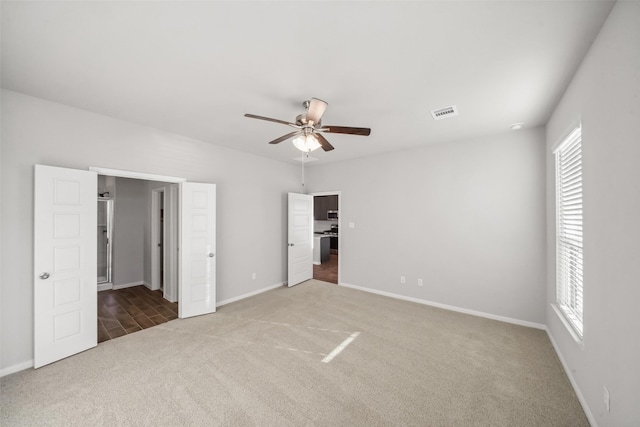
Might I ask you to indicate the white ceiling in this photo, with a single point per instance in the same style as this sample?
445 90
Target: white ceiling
195 68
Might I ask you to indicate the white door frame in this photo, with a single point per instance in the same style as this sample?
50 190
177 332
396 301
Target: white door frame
169 241
339 194
156 262
170 263
135 175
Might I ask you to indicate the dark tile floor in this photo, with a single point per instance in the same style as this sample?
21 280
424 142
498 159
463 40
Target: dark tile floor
129 310
327 271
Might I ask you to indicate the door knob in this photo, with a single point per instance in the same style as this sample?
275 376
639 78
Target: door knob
290 244
211 255
44 276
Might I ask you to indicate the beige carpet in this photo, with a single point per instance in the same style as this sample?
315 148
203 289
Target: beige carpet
260 362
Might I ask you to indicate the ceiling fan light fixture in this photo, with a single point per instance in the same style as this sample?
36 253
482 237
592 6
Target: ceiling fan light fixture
306 143
305 137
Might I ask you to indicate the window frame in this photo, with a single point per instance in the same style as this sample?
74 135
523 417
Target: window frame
569 301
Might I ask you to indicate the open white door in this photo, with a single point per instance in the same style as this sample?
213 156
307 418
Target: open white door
65 263
300 237
197 263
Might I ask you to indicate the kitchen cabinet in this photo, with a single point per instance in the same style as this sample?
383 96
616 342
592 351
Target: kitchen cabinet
322 204
321 249
319 211
334 245
332 203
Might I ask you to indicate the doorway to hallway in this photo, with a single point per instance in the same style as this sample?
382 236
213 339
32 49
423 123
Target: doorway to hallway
326 236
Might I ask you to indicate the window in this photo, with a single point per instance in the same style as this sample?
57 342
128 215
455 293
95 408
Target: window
569 277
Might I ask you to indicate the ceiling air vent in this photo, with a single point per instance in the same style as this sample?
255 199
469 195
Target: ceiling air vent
444 113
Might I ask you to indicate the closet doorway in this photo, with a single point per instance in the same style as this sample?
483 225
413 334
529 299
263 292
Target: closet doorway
65 254
137 234
137 255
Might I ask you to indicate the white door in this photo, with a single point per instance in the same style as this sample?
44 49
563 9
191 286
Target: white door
300 237
197 263
65 263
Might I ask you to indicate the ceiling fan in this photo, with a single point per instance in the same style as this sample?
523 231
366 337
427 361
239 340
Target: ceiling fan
307 136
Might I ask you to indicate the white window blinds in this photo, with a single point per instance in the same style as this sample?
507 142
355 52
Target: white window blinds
569 262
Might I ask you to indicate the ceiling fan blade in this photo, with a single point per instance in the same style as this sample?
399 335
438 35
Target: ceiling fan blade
285 137
253 116
316 110
344 129
323 142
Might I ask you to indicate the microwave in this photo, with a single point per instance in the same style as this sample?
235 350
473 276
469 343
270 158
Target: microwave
332 215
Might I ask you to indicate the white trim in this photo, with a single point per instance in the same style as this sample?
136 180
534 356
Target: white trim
135 175
249 294
579 341
449 307
155 238
569 233
130 285
16 368
105 286
328 193
574 384
573 125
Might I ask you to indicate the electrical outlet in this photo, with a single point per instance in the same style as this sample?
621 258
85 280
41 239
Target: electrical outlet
403 279
352 225
419 282
606 399
253 276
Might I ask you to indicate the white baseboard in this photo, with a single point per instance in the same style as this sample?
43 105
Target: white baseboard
105 286
128 285
449 307
249 294
16 368
574 384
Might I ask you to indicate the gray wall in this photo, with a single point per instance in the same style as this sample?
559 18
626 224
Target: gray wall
468 218
251 199
130 220
605 96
